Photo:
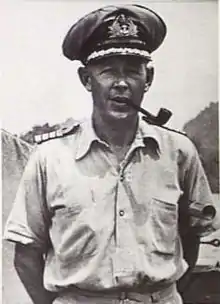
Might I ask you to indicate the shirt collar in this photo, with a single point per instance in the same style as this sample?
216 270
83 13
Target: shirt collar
146 131
87 136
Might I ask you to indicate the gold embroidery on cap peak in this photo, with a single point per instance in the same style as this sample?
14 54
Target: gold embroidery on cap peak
123 26
119 51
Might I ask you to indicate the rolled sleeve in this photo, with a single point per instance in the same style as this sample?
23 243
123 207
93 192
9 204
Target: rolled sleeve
28 221
199 196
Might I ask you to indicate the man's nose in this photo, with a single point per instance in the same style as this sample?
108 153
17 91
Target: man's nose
121 85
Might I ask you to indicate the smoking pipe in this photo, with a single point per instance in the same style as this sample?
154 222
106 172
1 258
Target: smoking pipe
160 119
214 242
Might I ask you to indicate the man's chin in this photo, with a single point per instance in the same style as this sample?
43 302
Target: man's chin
120 116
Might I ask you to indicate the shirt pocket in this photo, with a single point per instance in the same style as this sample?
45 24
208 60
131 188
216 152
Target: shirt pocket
63 218
72 237
62 214
163 225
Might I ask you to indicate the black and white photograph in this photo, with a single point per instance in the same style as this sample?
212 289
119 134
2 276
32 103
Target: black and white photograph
110 152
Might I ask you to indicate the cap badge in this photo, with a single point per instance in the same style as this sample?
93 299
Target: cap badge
123 26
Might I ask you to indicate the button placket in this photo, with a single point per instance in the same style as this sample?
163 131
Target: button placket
122 166
121 170
121 177
121 212
122 215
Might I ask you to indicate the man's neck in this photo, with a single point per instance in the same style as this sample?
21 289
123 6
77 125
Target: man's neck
116 133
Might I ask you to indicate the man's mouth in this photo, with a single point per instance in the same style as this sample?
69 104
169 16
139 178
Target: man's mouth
123 100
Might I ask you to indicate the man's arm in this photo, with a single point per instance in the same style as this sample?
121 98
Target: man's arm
28 227
29 264
193 222
197 194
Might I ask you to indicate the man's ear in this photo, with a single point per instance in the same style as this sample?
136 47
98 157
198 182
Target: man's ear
150 76
84 76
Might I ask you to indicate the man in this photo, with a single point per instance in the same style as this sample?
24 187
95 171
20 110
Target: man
96 215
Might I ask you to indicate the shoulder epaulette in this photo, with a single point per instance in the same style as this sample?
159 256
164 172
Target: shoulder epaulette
66 128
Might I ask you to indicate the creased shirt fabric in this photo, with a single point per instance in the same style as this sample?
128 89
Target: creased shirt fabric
104 225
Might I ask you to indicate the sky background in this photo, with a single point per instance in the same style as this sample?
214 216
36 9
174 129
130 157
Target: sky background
38 84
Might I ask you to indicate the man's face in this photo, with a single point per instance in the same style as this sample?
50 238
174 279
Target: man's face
116 81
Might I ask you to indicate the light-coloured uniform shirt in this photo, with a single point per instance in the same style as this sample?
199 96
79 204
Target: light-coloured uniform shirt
103 225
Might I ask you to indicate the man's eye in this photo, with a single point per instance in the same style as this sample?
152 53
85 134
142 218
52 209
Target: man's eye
107 70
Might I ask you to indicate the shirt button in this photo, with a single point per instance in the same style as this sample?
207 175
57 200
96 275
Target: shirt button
121 212
121 178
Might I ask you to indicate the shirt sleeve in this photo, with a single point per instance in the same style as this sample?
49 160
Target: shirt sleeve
199 195
28 222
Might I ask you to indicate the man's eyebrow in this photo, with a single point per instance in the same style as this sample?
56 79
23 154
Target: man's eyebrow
101 64
133 66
